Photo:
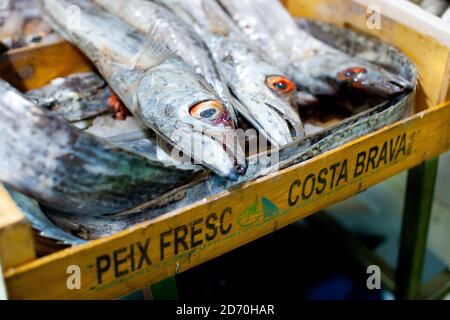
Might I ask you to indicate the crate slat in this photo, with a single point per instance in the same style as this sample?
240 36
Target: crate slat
16 237
31 68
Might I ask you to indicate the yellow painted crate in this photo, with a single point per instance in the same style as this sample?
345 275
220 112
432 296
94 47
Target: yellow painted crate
221 223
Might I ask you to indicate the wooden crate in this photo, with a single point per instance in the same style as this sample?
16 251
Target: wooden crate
114 266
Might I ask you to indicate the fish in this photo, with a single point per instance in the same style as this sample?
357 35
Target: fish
269 99
301 150
22 26
77 97
157 86
46 158
184 41
316 67
84 96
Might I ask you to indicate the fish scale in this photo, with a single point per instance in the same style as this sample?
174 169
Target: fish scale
246 70
43 156
144 16
156 85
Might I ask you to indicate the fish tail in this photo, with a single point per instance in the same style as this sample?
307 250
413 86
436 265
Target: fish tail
155 49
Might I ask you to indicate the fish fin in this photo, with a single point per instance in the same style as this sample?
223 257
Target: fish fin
155 49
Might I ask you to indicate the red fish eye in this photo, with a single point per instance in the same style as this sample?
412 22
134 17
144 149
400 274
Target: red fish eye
280 84
351 73
207 110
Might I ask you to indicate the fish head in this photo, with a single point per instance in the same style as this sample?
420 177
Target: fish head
269 99
358 76
338 75
183 108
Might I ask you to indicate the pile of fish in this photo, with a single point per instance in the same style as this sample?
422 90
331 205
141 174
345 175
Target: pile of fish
182 77
21 25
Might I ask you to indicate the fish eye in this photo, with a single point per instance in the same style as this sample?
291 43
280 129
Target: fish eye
351 74
280 84
207 110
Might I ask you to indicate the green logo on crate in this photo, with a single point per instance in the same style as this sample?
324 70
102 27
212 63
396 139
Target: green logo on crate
259 212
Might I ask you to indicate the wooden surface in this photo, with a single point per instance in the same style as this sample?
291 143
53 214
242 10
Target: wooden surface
206 230
429 55
16 238
413 16
34 67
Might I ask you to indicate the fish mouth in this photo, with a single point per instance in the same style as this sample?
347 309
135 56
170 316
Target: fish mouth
397 86
371 80
227 149
236 172
279 129
239 161
386 84
294 126
241 169
384 89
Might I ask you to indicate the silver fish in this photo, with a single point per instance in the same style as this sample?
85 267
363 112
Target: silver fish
269 99
145 16
84 95
316 67
131 134
77 97
44 157
156 85
301 150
